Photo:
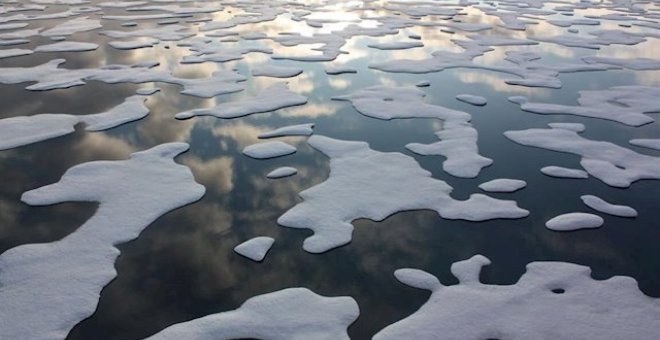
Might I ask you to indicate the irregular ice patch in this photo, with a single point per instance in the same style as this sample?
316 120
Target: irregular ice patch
267 150
611 163
503 185
14 52
574 221
472 99
291 130
134 44
276 71
397 45
46 289
82 24
639 64
603 206
256 248
552 300
282 172
23 130
458 139
339 69
292 313
646 143
359 188
561 172
275 97
67 46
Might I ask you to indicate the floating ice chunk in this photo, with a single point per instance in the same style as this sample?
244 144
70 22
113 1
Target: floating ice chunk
19 131
603 206
134 44
255 249
552 300
646 143
577 127
48 288
276 71
67 46
623 104
267 150
220 82
458 139
574 221
561 172
640 64
165 33
494 40
13 25
472 99
147 91
611 163
359 188
397 45
292 313
291 130
82 24
282 172
423 83
275 97
339 69
14 52
503 185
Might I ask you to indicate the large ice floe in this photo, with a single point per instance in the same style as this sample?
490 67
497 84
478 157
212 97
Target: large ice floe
19 131
552 300
289 314
358 188
458 138
46 289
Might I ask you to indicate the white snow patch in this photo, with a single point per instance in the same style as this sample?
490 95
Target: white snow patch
603 206
291 130
472 99
255 249
574 221
561 172
282 172
269 150
276 71
503 185
67 46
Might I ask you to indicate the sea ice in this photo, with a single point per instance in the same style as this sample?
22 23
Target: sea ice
256 248
67 46
46 289
397 45
339 69
276 71
291 130
472 99
289 314
561 172
503 185
646 143
267 150
359 188
282 172
574 221
603 206
552 300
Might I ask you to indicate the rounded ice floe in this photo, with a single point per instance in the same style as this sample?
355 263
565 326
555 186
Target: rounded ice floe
551 300
268 150
282 172
561 172
291 130
397 45
276 71
288 314
423 83
255 249
67 46
574 221
472 99
603 206
503 185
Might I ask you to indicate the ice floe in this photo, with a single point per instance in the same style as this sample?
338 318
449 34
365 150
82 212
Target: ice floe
603 206
276 71
267 150
67 46
646 143
285 171
291 130
397 45
503 185
256 248
358 188
46 289
562 172
292 313
574 221
472 99
555 300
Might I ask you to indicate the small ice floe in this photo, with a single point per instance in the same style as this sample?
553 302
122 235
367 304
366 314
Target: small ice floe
256 248
67 46
638 64
276 71
291 130
646 143
339 69
14 52
147 91
423 83
269 150
574 221
561 172
275 97
603 206
472 99
397 45
77 25
552 300
134 44
285 171
292 313
503 185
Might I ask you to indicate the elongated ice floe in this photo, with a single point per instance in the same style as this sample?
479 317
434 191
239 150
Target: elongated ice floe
256 248
282 172
623 104
46 289
267 150
599 204
67 46
574 221
397 45
472 99
359 188
552 300
503 185
23 130
275 97
646 143
611 163
458 139
561 172
276 71
292 313
291 130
